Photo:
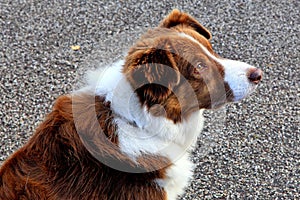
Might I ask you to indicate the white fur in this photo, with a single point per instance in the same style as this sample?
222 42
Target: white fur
139 132
236 77
178 177
235 72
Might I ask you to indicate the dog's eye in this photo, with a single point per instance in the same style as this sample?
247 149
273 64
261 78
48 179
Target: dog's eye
201 66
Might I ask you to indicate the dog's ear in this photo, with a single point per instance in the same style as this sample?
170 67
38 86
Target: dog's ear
180 18
152 71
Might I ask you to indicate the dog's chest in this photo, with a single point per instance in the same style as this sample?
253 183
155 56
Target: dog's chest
177 178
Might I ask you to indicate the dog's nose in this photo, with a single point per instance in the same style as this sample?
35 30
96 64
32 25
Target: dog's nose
255 75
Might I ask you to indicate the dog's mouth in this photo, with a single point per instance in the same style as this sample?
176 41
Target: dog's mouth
242 92
233 95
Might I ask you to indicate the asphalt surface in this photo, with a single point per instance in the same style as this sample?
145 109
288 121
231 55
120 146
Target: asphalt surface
248 150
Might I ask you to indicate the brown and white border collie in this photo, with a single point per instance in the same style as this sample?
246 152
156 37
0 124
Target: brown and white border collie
128 134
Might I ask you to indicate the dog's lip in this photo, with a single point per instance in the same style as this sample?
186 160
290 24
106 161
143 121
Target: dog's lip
245 92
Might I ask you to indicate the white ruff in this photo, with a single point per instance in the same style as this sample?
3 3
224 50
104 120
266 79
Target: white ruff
235 72
139 132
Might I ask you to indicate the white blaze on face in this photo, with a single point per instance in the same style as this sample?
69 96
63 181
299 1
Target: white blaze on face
236 72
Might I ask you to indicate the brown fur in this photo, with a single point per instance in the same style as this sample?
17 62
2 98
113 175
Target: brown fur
69 154
161 67
56 165
177 18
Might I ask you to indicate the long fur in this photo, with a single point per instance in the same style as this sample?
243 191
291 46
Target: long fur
128 134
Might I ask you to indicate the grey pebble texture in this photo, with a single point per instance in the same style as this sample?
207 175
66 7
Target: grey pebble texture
247 150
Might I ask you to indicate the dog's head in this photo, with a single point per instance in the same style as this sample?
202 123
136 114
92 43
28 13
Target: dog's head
174 69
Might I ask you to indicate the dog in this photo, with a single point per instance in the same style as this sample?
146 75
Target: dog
128 133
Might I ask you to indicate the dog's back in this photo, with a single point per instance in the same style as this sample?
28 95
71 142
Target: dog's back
55 164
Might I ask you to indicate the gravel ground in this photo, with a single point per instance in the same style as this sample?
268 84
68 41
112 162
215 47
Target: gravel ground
248 150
